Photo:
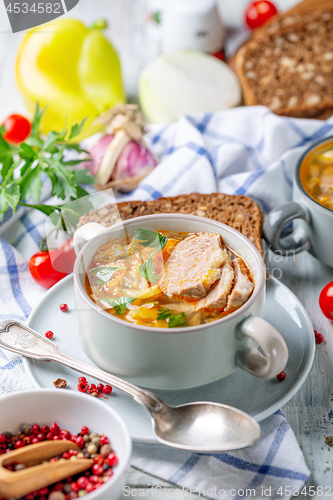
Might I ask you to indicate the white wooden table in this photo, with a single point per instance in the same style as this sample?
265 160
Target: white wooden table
310 412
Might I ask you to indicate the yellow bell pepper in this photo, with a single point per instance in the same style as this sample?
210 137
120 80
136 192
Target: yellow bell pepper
71 69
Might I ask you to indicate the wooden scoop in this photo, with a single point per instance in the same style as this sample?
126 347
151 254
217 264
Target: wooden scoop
34 477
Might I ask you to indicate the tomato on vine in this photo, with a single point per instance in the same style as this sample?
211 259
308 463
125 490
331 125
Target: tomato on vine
258 12
17 128
326 300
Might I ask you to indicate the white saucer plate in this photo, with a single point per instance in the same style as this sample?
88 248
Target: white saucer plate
259 398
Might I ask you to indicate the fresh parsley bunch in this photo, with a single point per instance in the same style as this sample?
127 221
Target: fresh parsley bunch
22 167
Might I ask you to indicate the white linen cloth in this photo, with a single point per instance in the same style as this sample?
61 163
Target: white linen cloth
246 151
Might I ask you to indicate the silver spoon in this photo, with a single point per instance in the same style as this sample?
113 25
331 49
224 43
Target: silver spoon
202 427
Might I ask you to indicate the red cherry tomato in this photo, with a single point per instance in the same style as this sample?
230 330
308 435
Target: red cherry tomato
259 12
326 300
47 268
17 129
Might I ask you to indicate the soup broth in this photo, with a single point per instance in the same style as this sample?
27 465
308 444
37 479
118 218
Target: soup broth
168 279
316 175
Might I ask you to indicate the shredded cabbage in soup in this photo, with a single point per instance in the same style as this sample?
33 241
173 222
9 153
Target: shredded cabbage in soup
126 278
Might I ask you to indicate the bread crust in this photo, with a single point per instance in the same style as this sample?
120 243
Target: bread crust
287 65
240 212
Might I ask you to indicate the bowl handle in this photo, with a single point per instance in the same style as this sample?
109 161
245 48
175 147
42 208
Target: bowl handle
85 233
277 219
270 341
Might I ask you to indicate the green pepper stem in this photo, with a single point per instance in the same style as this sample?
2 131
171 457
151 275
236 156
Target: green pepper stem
99 24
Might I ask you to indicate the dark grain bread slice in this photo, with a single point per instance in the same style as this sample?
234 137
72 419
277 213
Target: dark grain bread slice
239 212
288 65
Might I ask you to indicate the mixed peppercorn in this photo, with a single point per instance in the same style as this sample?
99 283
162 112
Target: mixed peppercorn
93 389
92 444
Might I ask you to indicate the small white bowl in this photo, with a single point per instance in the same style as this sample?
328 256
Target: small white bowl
71 410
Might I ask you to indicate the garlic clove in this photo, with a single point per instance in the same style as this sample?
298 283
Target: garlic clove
119 141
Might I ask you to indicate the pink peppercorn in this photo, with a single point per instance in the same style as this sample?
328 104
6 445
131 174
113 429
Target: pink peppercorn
97 469
319 337
75 487
104 440
43 491
112 459
64 434
63 307
35 440
107 389
89 488
82 387
100 388
19 443
281 376
82 482
2 438
84 430
35 429
56 437
49 334
49 436
80 441
55 429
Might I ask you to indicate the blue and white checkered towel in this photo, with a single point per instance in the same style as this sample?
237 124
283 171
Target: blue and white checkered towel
247 151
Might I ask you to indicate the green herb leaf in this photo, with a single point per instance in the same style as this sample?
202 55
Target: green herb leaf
75 147
76 129
174 320
177 320
164 313
147 270
120 305
26 152
51 139
83 176
46 209
105 273
9 197
150 239
31 184
36 120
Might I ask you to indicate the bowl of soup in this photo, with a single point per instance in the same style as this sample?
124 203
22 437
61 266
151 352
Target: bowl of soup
166 301
311 208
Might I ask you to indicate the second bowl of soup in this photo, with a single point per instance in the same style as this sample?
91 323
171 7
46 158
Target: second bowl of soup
311 209
172 301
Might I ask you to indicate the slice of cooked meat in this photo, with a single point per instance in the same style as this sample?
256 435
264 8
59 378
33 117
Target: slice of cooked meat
218 296
243 287
193 266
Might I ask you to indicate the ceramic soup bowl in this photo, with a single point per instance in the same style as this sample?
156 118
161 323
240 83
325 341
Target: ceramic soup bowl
312 222
177 358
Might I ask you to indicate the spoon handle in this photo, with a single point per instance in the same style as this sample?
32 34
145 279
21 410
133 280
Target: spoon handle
19 338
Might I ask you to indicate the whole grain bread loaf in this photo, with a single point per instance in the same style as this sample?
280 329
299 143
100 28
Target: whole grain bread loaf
288 65
239 212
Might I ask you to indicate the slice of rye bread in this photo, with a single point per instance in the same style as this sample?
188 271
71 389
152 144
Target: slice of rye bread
288 65
239 212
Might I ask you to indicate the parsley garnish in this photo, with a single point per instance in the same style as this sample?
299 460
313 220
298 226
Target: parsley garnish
147 269
150 238
120 304
174 320
34 158
104 273
154 240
